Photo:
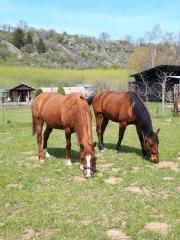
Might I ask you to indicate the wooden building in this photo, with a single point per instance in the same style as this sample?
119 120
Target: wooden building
21 93
149 83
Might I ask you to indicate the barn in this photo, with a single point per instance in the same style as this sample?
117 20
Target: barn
149 83
21 93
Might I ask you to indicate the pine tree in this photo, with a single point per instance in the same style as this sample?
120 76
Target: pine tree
41 48
29 38
18 38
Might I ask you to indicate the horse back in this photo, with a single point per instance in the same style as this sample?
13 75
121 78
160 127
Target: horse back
116 106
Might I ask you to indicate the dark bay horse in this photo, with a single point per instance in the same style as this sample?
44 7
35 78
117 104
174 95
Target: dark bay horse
125 108
70 113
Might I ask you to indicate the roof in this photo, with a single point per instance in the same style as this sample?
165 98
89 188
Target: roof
168 68
21 86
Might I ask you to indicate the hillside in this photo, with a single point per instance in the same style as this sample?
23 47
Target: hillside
66 51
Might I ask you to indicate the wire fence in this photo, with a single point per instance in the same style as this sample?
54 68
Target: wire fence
22 113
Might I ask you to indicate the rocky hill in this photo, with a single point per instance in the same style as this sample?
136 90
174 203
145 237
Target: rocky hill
64 51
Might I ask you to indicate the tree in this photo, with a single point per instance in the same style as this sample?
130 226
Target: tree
38 91
61 90
104 37
29 38
153 38
41 48
18 38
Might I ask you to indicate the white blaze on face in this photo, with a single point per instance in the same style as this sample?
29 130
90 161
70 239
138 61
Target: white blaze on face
88 161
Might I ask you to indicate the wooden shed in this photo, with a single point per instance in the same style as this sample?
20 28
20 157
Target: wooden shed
149 83
21 93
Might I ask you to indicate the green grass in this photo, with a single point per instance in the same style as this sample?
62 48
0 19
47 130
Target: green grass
38 77
42 201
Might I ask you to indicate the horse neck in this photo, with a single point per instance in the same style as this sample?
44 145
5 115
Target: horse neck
84 129
145 122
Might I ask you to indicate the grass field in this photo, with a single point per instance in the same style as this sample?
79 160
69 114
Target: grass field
38 77
50 201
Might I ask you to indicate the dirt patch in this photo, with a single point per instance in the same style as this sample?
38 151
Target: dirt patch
79 179
14 186
158 227
104 166
178 158
163 194
172 165
134 189
86 222
168 178
117 235
178 189
113 180
135 169
28 234
33 158
28 153
169 120
115 170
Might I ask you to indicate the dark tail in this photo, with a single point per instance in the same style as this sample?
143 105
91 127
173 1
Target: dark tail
90 99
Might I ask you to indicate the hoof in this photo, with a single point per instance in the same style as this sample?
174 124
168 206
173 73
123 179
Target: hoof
46 154
69 163
102 150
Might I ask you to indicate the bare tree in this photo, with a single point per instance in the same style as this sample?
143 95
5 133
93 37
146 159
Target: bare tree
100 86
153 38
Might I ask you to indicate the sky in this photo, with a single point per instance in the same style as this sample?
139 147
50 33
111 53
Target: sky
118 18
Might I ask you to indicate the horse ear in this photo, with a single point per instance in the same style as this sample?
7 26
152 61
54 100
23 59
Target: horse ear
158 131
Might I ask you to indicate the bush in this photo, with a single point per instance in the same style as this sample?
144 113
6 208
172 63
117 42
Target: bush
61 90
38 91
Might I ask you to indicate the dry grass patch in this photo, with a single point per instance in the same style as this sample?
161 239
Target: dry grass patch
79 179
28 234
178 189
113 180
34 158
158 227
115 234
168 178
135 189
172 165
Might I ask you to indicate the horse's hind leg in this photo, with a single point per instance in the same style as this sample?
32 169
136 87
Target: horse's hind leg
101 124
39 126
68 146
45 139
122 128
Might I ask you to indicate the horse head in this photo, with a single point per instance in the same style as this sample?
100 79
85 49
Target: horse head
151 143
88 160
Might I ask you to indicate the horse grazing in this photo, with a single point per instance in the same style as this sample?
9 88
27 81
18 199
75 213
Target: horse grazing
125 108
71 113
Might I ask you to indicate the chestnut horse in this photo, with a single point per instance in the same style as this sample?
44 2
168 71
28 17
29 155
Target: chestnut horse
70 113
125 108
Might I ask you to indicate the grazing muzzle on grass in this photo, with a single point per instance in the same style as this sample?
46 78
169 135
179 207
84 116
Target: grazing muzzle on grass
89 165
151 144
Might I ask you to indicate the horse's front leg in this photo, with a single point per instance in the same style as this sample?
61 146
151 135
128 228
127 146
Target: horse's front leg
141 139
68 147
122 128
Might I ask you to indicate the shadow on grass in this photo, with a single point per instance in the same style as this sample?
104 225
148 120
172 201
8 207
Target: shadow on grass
61 153
125 149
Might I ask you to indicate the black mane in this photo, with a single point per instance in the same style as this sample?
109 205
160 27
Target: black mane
143 118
